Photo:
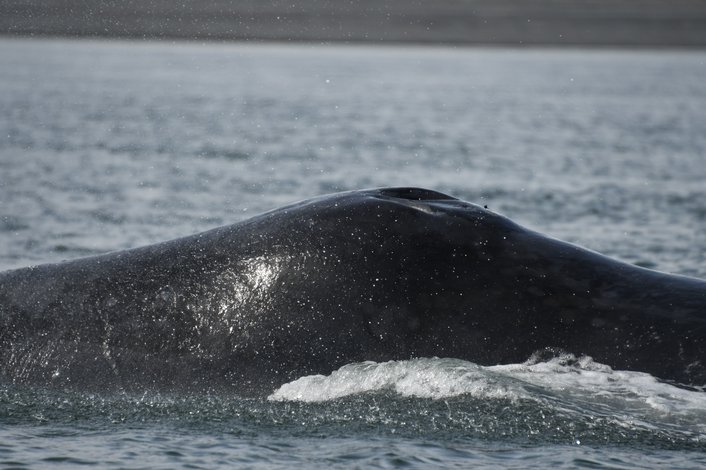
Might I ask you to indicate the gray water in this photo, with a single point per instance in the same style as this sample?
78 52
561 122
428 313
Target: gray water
111 145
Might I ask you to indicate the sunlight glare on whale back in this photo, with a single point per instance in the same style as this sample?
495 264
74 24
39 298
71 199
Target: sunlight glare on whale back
253 279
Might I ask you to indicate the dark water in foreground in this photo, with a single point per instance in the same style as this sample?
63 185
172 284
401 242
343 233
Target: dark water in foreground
374 429
110 145
480 416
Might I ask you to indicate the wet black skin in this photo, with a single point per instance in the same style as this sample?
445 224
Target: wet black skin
381 274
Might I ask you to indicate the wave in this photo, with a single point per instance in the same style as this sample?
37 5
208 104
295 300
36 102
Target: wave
424 378
564 383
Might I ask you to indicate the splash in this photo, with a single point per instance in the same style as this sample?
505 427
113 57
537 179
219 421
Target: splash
562 383
423 378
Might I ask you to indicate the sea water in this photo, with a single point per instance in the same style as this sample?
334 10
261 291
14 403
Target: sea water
106 145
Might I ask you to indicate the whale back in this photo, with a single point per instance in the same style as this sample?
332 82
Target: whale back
376 275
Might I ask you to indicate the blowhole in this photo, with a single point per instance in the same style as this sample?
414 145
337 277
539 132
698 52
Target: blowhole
415 194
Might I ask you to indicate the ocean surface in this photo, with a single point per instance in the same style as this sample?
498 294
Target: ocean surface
107 145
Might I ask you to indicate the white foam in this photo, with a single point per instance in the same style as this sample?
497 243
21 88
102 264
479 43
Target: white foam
424 377
587 380
563 381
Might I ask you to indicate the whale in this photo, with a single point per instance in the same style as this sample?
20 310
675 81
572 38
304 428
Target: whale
368 275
